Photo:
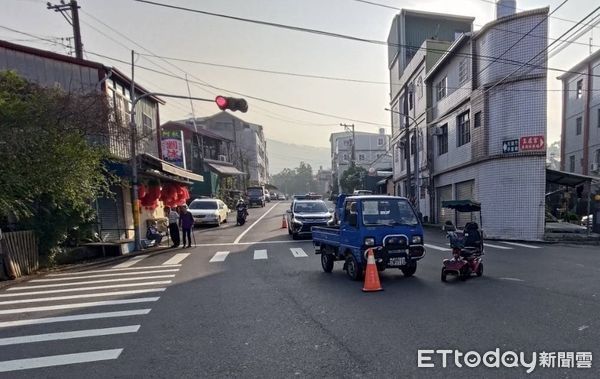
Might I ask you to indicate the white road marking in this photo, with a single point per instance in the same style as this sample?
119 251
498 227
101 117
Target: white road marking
130 262
84 296
85 316
128 269
583 327
59 360
26 293
260 254
68 335
219 256
485 244
177 258
237 240
251 243
91 282
522 245
513 279
101 275
298 252
78 305
435 247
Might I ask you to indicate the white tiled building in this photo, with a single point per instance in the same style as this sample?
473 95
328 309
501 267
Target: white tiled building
477 109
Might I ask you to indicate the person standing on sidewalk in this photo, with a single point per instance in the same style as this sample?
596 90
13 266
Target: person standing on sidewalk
173 225
186 220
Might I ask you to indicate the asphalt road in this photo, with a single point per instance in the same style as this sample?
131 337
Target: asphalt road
250 302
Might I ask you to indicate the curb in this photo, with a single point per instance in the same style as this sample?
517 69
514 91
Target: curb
82 266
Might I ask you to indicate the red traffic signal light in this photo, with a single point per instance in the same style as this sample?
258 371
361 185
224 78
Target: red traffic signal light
231 103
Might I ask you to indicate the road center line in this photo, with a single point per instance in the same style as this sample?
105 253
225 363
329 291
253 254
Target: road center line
237 240
68 335
485 244
522 245
59 360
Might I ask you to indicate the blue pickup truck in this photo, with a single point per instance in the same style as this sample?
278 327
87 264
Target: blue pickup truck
388 224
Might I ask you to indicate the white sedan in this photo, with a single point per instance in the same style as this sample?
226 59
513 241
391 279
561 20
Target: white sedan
208 211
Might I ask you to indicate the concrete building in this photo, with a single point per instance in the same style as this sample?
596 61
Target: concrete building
249 144
488 125
422 38
580 134
370 149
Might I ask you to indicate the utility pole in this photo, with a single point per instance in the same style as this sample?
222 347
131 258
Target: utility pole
134 166
350 127
73 20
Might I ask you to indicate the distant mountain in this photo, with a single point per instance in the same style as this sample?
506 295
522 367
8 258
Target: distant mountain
282 155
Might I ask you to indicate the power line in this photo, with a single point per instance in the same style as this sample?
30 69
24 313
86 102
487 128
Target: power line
338 35
313 76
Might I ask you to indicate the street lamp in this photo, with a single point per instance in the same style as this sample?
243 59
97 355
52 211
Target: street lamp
417 163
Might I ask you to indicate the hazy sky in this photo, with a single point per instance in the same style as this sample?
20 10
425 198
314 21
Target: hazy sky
178 34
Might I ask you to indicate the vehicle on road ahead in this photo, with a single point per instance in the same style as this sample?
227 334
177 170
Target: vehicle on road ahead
256 196
388 224
303 215
281 197
208 211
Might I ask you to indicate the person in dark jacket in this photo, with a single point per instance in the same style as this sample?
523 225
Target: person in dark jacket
186 221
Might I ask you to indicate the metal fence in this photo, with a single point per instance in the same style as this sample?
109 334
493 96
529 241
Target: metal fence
19 253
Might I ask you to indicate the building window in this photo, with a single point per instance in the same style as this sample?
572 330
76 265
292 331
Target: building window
477 120
598 119
572 163
441 88
413 145
443 140
361 157
345 157
579 88
147 125
578 125
419 87
346 142
411 96
463 129
463 71
380 141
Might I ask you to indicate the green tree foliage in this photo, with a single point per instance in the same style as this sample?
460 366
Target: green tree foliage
52 157
299 180
353 178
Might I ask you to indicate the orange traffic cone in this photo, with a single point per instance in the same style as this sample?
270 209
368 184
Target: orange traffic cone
371 275
284 223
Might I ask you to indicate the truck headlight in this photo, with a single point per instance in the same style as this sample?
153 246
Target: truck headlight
417 239
369 241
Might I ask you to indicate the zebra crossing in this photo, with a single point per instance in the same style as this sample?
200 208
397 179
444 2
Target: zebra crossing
497 245
258 255
71 305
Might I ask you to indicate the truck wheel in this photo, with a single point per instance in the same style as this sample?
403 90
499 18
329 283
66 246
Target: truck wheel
327 262
353 268
409 271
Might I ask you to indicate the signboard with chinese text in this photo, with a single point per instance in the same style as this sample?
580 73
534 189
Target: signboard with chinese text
510 146
532 143
172 147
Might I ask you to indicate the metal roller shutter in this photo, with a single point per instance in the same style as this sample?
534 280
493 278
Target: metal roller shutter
444 214
111 217
464 191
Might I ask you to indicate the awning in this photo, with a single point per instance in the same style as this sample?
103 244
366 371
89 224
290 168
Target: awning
159 168
462 205
172 169
568 179
223 169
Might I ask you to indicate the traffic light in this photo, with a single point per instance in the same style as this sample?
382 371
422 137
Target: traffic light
231 103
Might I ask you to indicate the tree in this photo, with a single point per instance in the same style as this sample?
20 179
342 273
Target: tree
352 178
52 149
298 180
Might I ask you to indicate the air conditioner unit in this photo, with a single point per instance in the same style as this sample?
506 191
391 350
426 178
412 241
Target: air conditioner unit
595 167
437 131
223 158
